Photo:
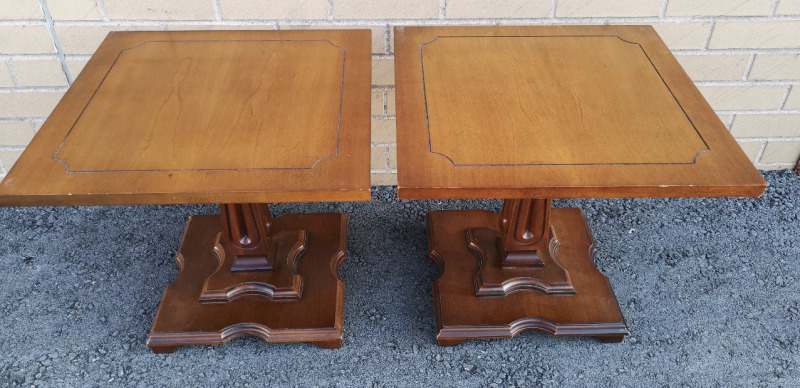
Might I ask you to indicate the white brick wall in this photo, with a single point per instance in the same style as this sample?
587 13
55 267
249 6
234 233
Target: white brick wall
20 10
74 10
466 9
32 38
617 8
160 10
34 73
719 7
715 67
793 101
743 54
274 9
776 66
788 7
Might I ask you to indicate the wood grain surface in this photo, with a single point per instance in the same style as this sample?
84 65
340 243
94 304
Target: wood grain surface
556 111
207 117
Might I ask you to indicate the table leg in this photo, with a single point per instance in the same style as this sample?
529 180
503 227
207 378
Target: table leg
245 273
528 268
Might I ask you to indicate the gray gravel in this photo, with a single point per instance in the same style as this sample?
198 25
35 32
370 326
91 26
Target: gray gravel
709 287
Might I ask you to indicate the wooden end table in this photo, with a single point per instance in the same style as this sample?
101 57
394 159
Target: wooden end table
240 118
528 114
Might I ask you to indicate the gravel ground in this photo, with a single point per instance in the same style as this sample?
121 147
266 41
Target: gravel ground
710 289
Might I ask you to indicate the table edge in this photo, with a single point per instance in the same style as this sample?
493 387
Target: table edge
31 200
648 191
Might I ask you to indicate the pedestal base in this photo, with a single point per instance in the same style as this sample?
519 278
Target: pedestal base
460 315
316 317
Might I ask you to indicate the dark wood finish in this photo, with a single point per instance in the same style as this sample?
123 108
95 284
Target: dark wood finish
206 117
556 112
184 318
245 228
494 278
592 310
508 257
530 113
525 226
281 281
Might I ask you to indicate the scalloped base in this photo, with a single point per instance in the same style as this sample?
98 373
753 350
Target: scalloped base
460 315
317 317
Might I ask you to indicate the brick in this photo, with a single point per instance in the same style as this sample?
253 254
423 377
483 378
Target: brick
718 8
725 119
195 27
86 39
378 158
8 158
74 9
751 149
25 40
16 133
274 9
6 81
683 36
770 167
463 9
390 49
771 125
382 72
781 152
20 10
755 34
793 102
714 67
160 10
39 73
378 33
75 66
20 105
788 7
390 106
383 179
377 103
619 8
384 131
386 9
776 66
392 157
37 124
743 97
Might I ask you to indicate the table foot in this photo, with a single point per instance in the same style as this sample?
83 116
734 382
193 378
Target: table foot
333 344
611 339
185 318
590 310
163 349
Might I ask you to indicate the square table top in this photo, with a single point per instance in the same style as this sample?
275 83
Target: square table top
556 111
207 117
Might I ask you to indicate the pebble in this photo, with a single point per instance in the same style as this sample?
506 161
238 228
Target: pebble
717 276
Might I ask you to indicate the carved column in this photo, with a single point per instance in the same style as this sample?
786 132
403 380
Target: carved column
525 228
246 235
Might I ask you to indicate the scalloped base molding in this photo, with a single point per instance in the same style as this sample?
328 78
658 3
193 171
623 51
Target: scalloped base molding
461 315
316 317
